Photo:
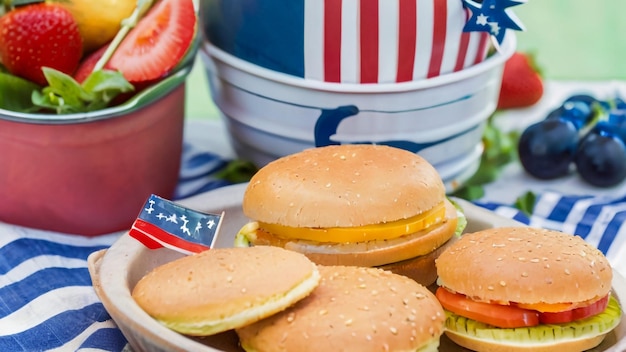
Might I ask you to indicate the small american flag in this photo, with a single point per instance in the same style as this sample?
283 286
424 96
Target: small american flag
163 223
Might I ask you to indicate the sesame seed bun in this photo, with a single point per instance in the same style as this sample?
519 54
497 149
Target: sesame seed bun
525 265
356 309
225 288
343 186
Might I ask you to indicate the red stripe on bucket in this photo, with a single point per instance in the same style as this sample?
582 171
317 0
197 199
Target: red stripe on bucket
369 41
332 40
463 45
406 41
460 58
439 36
482 47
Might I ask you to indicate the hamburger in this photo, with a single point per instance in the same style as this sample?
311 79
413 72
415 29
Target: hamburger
224 288
353 309
353 205
526 289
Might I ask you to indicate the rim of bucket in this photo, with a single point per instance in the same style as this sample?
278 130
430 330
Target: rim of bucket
506 50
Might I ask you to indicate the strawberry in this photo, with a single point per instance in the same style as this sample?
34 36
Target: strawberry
36 36
88 63
158 42
522 85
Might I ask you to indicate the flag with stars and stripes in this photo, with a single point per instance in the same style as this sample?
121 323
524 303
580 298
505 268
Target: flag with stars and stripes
163 223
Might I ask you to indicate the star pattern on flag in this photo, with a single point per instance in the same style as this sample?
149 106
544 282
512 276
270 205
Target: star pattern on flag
493 16
163 223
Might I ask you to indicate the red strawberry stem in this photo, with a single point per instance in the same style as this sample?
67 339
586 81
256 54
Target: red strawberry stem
127 24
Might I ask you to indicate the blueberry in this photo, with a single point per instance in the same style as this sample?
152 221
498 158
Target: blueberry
615 123
620 104
546 149
601 158
579 112
584 98
556 113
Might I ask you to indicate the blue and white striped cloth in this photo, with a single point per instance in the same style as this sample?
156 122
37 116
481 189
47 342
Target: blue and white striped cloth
600 220
47 301
46 298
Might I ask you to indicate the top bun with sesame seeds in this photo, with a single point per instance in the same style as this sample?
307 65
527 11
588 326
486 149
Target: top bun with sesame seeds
343 186
225 288
353 204
353 309
498 282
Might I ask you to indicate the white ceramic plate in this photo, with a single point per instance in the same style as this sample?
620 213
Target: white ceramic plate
116 271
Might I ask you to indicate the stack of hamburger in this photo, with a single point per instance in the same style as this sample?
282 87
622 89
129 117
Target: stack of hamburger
346 240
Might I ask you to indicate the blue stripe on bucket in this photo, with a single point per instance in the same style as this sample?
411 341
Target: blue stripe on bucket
277 25
330 119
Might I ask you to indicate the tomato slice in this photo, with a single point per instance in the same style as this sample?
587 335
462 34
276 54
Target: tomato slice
493 314
512 316
157 43
574 314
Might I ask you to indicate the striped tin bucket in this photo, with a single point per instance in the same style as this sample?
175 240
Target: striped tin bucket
293 74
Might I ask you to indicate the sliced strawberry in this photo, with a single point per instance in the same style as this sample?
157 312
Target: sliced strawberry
86 68
157 43
36 36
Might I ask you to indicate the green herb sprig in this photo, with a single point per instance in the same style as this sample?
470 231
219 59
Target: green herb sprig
500 148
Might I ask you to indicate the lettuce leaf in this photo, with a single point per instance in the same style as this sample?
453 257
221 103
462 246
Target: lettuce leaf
66 96
15 93
540 335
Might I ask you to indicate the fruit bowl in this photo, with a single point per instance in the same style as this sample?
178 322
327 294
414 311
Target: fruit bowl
88 173
87 169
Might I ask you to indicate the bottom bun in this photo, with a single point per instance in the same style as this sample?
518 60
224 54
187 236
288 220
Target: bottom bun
422 268
565 345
